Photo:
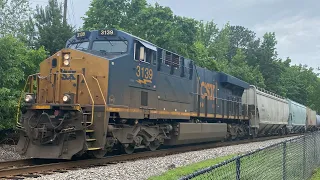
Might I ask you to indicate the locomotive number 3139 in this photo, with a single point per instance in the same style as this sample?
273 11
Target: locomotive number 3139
144 73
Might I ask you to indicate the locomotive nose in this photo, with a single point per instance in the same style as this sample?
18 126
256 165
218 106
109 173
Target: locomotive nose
73 77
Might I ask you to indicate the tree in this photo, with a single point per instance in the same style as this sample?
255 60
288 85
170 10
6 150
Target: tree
239 68
14 15
17 61
52 33
270 66
218 49
240 38
107 13
232 49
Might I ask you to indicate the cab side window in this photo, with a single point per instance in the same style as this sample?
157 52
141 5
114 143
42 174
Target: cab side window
137 46
149 54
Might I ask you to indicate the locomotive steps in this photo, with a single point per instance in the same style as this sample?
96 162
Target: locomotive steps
20 169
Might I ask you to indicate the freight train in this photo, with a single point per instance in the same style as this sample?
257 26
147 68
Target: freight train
111 91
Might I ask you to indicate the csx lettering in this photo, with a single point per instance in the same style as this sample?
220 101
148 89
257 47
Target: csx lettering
68 76
144 73
207 89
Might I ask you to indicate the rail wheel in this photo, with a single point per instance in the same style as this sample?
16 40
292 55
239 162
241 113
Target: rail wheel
99 153
128 148
154 145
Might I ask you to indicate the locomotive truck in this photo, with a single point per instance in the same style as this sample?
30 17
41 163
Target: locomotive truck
111 91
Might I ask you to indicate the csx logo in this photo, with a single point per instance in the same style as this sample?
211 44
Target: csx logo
68 76
207 89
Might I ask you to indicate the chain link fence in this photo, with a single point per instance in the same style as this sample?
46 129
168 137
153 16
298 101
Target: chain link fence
289 160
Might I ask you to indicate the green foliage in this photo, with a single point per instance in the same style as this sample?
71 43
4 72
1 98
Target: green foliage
17 62
52 33
239 68
13 16
185 170
232 49
155 23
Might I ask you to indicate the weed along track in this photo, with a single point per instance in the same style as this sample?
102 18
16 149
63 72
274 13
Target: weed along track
21 169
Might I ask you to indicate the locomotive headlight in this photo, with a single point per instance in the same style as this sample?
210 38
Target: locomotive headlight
66 59
66 98
66 62
28 98
66 56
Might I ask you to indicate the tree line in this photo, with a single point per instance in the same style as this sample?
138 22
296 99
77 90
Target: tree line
28 36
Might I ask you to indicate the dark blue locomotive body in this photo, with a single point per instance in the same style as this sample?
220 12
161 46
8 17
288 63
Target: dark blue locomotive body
165 82
121 92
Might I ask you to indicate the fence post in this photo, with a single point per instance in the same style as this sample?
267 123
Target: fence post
314 151
284 154
238 168
304 156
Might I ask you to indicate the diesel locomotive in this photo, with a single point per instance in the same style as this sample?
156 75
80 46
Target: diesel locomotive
111 91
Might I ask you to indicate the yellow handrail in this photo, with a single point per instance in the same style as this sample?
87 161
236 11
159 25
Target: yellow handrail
92 109
84 79
23 91
104 100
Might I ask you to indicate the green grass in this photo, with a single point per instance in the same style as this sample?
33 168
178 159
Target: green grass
316 175
185 170
265 164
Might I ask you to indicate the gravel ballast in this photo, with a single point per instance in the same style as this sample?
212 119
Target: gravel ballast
142 169
8 153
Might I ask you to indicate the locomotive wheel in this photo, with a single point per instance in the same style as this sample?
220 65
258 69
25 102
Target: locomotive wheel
128 148
99 154
154 145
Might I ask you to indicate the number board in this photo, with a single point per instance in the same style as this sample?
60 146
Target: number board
107 32
144 75
82 34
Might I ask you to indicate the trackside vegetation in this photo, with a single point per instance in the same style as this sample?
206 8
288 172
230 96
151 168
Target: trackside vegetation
292 159
316 175
28 37
185 170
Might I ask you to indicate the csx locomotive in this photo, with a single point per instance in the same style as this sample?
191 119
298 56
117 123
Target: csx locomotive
111 91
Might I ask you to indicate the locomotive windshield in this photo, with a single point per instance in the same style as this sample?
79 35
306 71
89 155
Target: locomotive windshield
104 43
81 46
110 46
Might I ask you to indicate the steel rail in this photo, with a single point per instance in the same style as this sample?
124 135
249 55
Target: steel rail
16 163
37 170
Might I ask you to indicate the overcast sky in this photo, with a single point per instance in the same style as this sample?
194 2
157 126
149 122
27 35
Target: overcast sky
295 22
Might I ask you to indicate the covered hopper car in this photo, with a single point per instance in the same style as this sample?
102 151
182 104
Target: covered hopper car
111 91
311 121
318 121
297 117
269 112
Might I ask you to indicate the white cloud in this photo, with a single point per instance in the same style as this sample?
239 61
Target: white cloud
298 37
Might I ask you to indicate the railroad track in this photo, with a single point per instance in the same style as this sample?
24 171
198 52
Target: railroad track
26 168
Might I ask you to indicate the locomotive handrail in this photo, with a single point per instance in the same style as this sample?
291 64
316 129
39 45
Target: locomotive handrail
89 91
28 79
23 91
104 100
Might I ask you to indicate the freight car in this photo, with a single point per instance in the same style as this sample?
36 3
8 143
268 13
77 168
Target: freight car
318 121
297 117
311 120
269 112
109 90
